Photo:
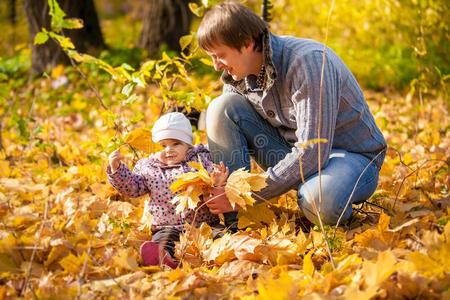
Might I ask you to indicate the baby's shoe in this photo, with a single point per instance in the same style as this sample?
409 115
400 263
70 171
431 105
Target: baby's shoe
152 254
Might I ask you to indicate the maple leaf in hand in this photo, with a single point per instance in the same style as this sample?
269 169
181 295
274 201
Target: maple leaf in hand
141 139
240 185
192 184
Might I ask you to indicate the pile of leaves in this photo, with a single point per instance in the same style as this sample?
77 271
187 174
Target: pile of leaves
65 232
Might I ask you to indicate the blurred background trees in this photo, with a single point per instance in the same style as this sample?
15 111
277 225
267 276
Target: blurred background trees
164 22
50 54
388 44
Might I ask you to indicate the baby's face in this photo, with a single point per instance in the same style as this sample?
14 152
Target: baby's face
174 151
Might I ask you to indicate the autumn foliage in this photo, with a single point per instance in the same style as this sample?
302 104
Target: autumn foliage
65 233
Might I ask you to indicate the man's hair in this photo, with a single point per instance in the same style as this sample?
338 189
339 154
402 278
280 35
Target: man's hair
231 24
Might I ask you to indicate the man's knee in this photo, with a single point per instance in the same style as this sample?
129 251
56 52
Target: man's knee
223 107
330 210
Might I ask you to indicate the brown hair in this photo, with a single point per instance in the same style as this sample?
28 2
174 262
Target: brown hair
231 24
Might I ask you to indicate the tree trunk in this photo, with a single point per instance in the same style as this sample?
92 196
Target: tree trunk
50 54
12 12
164 22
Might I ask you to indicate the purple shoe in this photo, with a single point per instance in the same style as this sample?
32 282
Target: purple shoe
152 254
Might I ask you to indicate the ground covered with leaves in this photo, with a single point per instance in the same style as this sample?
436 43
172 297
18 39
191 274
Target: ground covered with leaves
65 233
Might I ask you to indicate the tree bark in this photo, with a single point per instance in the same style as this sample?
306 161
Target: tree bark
164 22
12 12
50 54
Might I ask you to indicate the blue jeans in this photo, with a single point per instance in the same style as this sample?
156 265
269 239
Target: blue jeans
236 132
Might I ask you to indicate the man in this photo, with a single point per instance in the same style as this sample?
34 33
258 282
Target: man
271 109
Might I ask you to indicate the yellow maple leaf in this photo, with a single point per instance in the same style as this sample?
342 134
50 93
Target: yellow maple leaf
103 191
381 238
146 219
192 184
375 273
125 259
353 292
240 185
73 264
201 172
4 168
255 216
247 247
188 199
141 139
55 254
435 262
283 287
220 250
308 266
120 209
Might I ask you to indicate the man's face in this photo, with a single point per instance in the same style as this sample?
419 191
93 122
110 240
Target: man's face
239 64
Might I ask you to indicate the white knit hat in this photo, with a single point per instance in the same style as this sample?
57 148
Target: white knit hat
172 126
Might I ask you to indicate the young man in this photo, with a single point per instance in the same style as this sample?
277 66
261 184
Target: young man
271 109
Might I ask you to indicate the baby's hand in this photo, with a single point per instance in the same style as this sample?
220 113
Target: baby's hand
219 175
114 160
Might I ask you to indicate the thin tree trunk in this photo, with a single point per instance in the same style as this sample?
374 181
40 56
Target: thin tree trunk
164 22
50 54
12 12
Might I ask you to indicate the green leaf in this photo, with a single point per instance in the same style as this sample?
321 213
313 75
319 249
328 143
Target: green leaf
186 41
131 99
137 118
23 128
207 62
196 10
127 67
38 130
124 73
120 96
127 89
209 3
72 23
147 67
57 15
114 144
77 56
40 38
139 79
95 159
66 43
165 57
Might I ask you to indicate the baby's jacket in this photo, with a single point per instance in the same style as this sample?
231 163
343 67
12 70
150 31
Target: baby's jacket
155 177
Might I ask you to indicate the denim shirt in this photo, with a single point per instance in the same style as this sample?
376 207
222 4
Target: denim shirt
290 102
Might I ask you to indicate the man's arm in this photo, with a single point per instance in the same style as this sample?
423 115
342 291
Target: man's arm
304 75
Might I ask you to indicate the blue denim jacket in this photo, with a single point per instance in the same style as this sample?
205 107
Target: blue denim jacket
290 102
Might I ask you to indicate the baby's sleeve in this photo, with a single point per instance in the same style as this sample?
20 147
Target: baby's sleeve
206 161
129 183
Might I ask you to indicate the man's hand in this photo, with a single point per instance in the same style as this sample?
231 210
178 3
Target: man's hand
217 201
114 160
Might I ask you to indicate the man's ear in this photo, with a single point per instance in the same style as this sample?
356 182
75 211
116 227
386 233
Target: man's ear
249 46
